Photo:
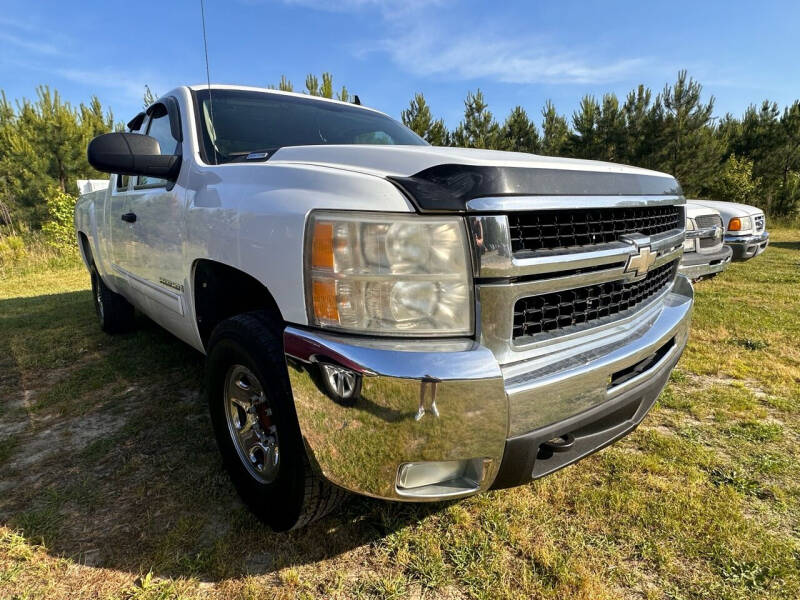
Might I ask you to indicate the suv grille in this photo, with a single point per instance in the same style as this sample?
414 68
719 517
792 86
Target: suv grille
710 242
548 229
556 310
704 221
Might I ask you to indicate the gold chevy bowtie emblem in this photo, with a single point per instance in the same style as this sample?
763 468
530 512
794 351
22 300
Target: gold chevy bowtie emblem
640 263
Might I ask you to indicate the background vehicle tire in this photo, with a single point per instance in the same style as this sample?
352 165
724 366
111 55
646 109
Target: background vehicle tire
115 313
254 420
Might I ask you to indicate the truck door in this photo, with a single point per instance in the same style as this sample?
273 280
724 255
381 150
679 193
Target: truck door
157 210
120 231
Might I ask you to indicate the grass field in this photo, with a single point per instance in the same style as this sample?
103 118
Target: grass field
111 485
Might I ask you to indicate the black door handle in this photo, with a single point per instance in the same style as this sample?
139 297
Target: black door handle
129 217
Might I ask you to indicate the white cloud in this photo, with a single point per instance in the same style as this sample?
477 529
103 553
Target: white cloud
29 44
482 55
127 87
428 42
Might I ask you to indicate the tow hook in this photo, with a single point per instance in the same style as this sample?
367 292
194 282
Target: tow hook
561 443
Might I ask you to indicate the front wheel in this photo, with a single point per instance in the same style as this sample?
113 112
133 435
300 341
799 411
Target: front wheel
255 424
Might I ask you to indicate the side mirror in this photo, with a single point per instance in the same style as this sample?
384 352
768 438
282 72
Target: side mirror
132 154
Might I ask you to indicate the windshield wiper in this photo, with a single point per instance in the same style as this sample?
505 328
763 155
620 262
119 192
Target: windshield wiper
250 155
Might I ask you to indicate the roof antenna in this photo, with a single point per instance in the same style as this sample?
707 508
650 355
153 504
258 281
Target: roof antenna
208 77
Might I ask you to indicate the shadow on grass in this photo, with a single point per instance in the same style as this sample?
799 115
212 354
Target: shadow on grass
785 245
110 459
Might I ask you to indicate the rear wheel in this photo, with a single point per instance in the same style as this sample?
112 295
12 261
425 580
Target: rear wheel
114 312
256 426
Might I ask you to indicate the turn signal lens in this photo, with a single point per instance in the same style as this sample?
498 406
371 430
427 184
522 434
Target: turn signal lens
322 246
324 299
735 224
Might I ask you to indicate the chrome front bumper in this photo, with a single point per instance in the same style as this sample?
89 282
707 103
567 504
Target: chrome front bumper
747 246
451 402
696 265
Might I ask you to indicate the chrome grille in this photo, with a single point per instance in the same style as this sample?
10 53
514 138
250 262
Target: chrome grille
704 221
550 229
759 222
558 310
710 242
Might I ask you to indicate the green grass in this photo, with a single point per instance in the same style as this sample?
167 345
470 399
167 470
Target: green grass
112 486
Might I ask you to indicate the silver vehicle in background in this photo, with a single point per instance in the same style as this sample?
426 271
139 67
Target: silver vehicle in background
704 252
745 227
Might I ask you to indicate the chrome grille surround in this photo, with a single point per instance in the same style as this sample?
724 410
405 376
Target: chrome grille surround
758 220
504 276
709 233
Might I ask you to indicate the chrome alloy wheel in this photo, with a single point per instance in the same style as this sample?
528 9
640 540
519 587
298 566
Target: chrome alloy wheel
250 424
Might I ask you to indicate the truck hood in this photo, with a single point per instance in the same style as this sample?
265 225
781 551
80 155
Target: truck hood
405 161
446 179
694 210
729 209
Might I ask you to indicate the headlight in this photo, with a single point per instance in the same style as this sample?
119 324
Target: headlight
688 245
740 224
392 274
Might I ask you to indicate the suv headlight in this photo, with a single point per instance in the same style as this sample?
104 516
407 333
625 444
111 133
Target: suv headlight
388 273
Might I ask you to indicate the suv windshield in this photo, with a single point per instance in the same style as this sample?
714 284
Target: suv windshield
245 122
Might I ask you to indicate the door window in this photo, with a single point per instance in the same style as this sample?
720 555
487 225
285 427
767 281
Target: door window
159 128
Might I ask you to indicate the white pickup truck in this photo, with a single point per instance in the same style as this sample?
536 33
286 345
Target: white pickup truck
378 315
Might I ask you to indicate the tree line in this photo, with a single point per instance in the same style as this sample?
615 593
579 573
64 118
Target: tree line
753 159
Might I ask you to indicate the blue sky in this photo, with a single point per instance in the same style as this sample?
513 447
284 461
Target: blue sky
517 52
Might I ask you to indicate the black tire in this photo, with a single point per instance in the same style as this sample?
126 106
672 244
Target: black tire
297 495
115 313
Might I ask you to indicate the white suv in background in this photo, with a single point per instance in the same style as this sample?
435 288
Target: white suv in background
704 253
745 227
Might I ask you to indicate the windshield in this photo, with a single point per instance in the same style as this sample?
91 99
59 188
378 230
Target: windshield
246 122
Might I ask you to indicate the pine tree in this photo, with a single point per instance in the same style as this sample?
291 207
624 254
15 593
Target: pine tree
555 131
438 135
478 129
611 130
690 150
519 133
417 117
312 85
43 148
285 85
149 97
642 128
584 142
326 89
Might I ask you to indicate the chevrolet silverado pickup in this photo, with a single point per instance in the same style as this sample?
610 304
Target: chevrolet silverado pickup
378 315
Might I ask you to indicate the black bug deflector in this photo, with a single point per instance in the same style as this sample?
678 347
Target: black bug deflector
448 188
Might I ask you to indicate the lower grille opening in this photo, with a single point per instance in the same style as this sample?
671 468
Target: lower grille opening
557 310
640 367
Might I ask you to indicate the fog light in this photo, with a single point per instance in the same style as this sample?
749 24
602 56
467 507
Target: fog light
342 384
441 478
